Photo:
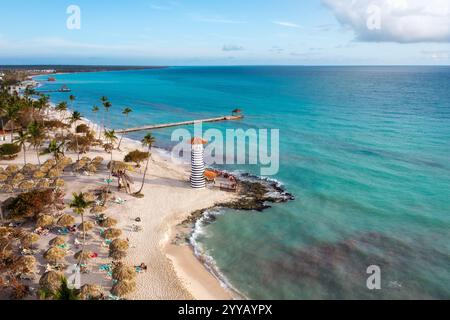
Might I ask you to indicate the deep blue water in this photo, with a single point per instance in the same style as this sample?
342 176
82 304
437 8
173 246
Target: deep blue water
365 150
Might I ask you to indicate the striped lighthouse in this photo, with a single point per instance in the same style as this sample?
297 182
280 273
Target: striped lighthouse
197 163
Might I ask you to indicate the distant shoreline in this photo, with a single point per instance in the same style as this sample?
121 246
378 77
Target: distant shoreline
75 68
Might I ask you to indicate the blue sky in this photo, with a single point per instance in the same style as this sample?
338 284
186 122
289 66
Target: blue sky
216 32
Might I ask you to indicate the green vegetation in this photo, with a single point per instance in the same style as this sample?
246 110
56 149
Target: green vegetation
9 150
137 157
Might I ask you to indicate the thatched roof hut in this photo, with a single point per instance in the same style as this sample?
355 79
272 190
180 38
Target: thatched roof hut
108 222
112 233
45 221
66 221
57 241
91 292
51 281
121 272
87 226
123 288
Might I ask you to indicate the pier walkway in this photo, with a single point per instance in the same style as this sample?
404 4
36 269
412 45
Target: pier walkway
177 124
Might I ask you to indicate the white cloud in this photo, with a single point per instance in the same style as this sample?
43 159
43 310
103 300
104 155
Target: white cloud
286 24
403 21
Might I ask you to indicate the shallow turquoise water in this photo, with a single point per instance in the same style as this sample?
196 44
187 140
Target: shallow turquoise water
365 150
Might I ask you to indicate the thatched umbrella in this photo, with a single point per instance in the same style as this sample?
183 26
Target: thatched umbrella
26 185
66 221
28 169
51 281
6 231
98 209
118 249
57 241
27 240
112 233
89 197
24 264
49 162
82 255
58 183
45 221
97 160
108 222
88 225
66 161
45 169
91 292
91 168
54 254
122 288
54 173
43 184
121 272
18 178
38 174
7 188
119 245
11 169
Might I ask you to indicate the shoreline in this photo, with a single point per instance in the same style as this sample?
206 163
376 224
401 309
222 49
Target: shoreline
193 274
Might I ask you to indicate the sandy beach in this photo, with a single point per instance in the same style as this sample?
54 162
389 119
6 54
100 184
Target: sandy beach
173 270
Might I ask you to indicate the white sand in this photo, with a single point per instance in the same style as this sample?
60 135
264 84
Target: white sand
173 270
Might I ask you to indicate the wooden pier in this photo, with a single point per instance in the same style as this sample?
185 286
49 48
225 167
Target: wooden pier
177 124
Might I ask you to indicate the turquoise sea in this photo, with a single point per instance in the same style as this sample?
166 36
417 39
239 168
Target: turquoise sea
365 151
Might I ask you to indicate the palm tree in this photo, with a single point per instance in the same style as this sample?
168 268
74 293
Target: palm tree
79 204
12 112
125 112
61 107
72 98
21 141
55 149
36 135
64 292
111 137
76 116
148 142
95 110
42 104
103 100
107 105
